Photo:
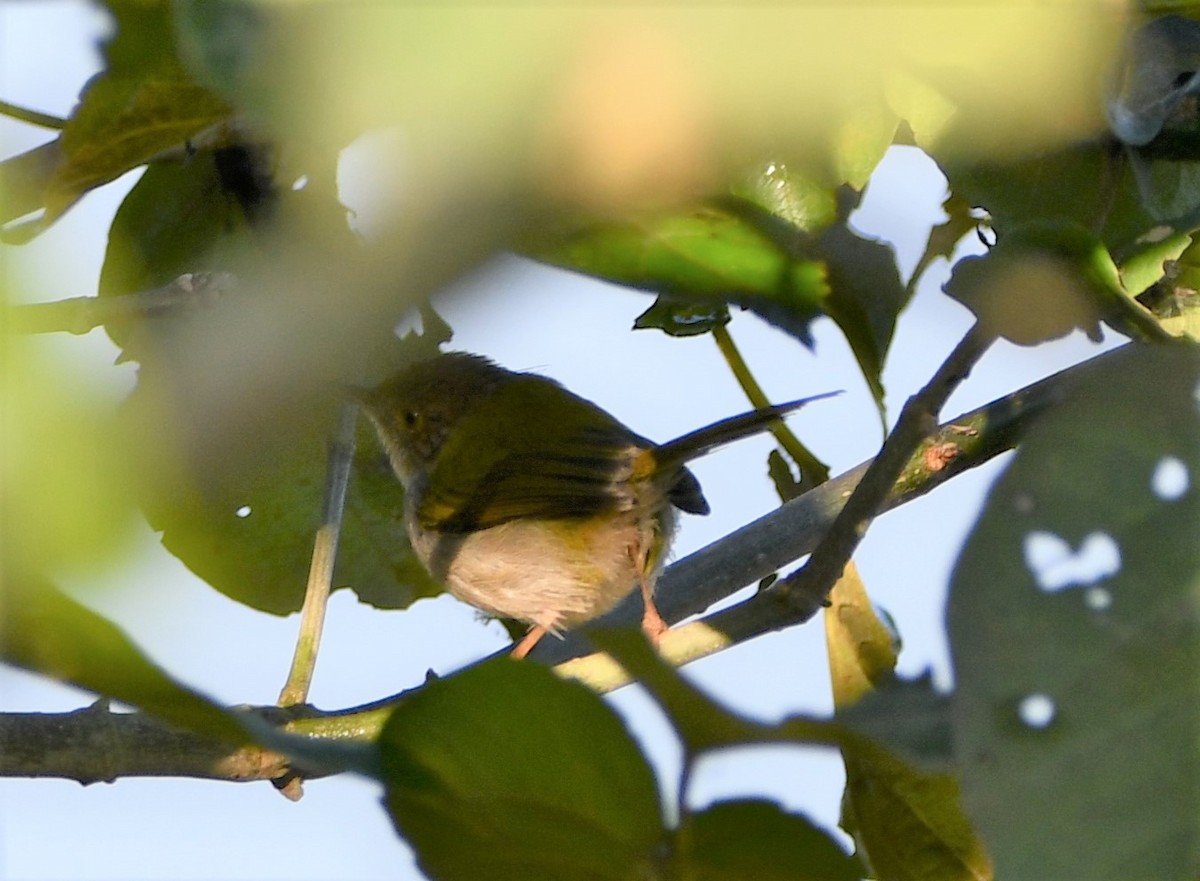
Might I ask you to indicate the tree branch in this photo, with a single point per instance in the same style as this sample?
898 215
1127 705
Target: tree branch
808 589
79 315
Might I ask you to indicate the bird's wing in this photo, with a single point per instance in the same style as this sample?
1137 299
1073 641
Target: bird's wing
556 472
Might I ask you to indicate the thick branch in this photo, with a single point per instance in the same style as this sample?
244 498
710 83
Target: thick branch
94 744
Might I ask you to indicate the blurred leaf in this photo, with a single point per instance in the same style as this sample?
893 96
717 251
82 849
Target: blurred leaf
222 210
635 106
1169 187
701 722
1073 621
1043 280
247 527
719 252
64 478
737 840
908 718
790 195
142 105
1157 73
178 218
23 180
120 125
907 821
45 631
220 41
504 771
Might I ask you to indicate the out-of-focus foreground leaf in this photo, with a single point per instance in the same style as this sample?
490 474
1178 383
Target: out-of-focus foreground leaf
505 771
732 250
47 632
1074 621
244 524
67 506
143 104
735 840
1043 280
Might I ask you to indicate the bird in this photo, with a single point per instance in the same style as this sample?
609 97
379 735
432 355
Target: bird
530 502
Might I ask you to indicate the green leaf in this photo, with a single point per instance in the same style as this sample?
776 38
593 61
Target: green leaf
220 211
724 251
733 250
866 297
736 840
248 531
1074 621
178 218
140 106
122 124
505 771
48 632
1131 201
909 823
790 195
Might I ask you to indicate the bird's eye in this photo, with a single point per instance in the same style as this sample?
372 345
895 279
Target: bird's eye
410 418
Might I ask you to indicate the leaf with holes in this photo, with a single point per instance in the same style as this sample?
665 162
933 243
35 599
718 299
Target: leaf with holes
1074 621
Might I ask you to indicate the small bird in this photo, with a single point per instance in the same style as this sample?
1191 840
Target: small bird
530 502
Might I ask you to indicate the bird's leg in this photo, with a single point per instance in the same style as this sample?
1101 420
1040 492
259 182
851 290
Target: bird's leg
528 641
652 622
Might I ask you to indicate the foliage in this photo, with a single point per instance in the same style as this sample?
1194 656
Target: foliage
737 188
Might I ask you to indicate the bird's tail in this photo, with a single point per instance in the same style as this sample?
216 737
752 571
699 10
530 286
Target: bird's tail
704 440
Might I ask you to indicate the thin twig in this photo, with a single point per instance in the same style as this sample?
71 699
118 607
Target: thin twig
320 574
809 588
33 117
812 470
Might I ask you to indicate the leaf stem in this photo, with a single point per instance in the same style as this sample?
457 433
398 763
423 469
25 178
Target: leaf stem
33 117
320 574
812 470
